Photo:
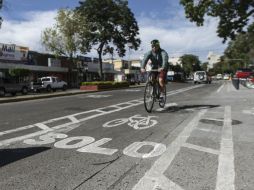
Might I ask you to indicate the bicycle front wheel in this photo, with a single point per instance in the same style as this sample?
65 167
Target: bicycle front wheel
149 97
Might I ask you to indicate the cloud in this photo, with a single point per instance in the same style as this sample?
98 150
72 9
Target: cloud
177 35
27 31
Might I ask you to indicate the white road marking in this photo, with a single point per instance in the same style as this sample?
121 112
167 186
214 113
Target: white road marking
43 126
201 148
98 96
207 130
74 120
83 141
161 165
15 139
16 130
132 149
213 119
132 90
251 112
219 89
94 147
46 139
226 170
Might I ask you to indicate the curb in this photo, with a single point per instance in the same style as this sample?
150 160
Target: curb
52 95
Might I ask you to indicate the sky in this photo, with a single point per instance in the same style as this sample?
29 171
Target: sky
24 21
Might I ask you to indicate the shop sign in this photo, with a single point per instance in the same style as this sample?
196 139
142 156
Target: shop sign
13 52
54 62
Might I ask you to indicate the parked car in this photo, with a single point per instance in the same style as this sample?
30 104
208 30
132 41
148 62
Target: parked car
243 72
11 85
219 76
201 77
48 83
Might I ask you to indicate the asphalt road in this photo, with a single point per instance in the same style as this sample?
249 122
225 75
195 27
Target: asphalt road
203 139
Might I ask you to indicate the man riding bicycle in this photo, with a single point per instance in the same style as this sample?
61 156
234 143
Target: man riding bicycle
159 60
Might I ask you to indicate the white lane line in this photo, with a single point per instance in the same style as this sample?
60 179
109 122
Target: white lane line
100 112
226 170
207 130
13 140
42 126
167 106
219 89
16 130
201 148
161 165
212 119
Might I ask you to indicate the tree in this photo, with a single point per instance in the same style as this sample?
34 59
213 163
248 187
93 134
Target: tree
204 66
61 39
19 73
240 52
106 24
233 15
190 63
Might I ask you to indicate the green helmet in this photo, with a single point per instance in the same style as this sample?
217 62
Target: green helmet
155 42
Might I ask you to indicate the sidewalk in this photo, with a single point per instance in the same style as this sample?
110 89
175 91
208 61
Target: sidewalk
69 92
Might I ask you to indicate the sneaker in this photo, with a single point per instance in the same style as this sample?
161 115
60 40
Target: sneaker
162 97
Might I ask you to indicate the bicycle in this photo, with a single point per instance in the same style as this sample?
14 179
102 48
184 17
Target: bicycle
153 92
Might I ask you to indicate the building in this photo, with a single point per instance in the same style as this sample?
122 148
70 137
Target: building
40 64
175 61
13 57
127 70
89 69
212 59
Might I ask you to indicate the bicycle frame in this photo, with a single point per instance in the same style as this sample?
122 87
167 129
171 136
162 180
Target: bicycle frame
155 82
152 91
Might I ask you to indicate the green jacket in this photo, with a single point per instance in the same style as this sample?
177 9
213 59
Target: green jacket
159 59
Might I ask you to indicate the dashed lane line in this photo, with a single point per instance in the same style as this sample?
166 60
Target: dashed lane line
219 89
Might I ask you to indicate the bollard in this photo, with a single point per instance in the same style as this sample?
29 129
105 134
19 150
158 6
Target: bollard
236 82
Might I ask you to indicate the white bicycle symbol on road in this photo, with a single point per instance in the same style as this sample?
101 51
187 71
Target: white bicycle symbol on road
136 122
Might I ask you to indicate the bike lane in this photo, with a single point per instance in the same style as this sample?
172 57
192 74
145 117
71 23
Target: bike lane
122 145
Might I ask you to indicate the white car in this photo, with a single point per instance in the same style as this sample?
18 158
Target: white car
226 77
219 76
48 83
201 77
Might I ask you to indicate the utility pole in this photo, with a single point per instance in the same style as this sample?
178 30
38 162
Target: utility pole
1 5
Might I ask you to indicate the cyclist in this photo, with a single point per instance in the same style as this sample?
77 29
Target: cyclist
159 60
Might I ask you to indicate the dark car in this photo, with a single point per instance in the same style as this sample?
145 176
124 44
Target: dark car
11 85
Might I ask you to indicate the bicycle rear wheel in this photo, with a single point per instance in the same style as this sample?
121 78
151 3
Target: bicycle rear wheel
163 98
149 97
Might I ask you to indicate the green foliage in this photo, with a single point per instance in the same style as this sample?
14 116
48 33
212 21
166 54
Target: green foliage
62 38
19 72
190 63
233 15
204 66
240 52
107 24
176 68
